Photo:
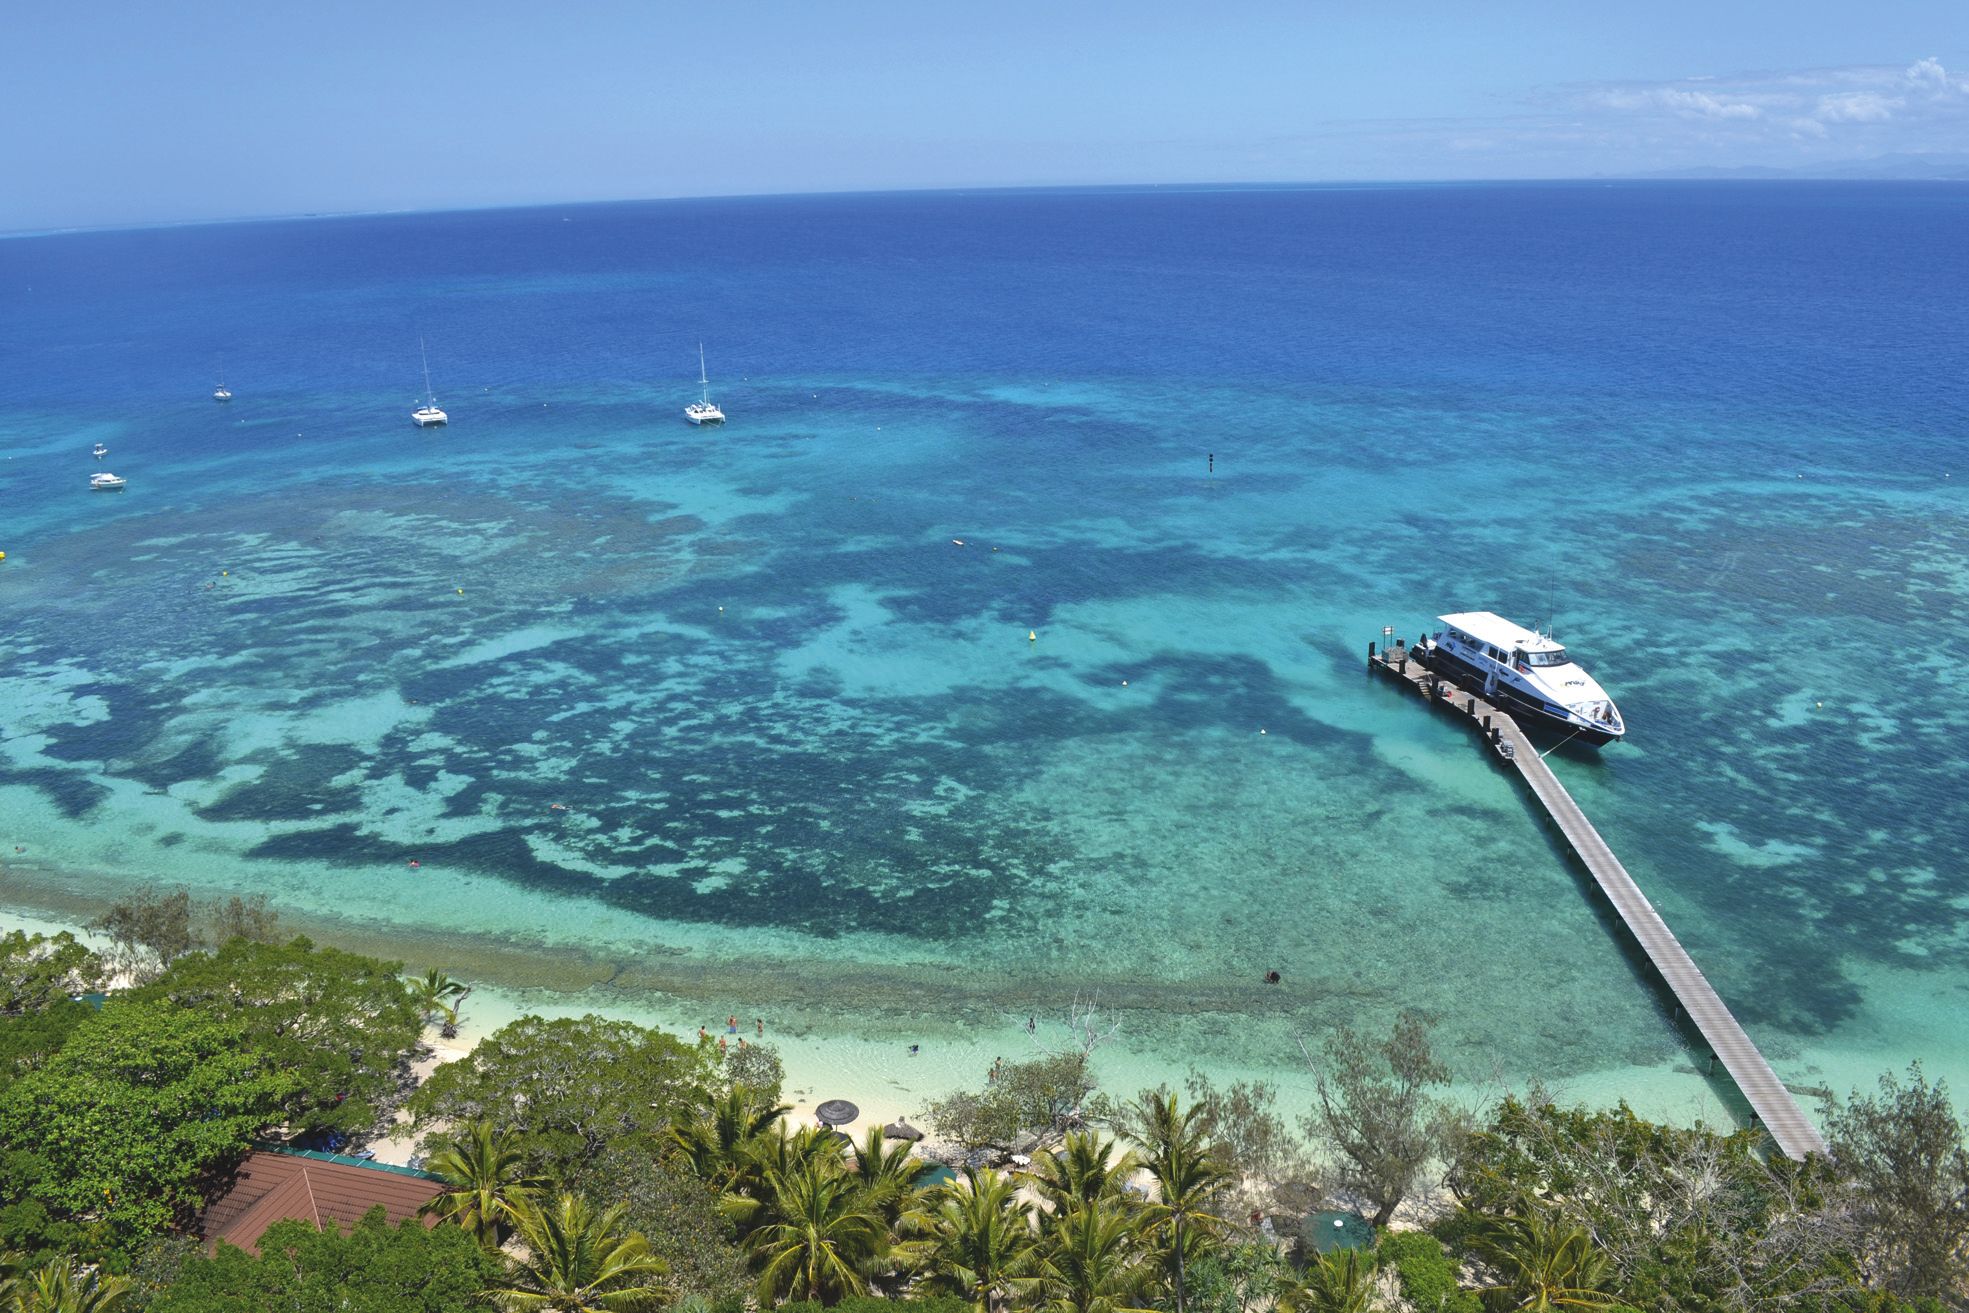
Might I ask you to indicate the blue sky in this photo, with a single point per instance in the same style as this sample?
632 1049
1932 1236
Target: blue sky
119 113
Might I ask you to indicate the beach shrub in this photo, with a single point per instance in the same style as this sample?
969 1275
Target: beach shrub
1690 1217
1025 1098
1375 1113
1902 1157
38 972
756 1066
1426 1274
572 1087
133 1118
374 1268
149 930
341 1024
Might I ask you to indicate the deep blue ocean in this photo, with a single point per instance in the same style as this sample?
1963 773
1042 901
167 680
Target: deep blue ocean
684 721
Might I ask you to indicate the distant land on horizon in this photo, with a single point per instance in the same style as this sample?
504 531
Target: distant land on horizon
1902 167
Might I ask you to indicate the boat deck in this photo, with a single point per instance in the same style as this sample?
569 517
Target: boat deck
1771 1104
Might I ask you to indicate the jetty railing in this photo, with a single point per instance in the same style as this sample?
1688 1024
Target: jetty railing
1771 1104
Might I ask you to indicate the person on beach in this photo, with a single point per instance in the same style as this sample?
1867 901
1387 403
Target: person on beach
703 1034
731 1025
760 1022
721 1043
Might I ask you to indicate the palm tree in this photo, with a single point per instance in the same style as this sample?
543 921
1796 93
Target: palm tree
780 1153
487 1175
1341 1282
1084 1170
1094 1260
888 1174
1192 1178
977 1243
713 1142
1545 1263
578 1260
62 1288
825 1236
433 997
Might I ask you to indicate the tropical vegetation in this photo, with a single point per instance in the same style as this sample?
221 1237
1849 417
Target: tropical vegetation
585 1165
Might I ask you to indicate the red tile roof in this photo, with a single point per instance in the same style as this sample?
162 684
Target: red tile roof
274 1187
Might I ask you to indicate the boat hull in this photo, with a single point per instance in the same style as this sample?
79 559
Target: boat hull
1531 714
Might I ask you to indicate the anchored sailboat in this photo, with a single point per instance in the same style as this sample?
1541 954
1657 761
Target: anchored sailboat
702 411
428 415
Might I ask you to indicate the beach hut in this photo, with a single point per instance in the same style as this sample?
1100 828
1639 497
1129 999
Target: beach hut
901 1130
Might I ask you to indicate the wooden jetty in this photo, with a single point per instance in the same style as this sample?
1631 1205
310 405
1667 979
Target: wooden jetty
1770 1102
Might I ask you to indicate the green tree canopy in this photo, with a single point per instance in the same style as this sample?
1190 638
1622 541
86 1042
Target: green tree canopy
342 1024
572 1086
40 971
674 1210
132 1118
1039 1098
374 1268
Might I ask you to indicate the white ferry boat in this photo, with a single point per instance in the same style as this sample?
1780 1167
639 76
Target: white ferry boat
1526 672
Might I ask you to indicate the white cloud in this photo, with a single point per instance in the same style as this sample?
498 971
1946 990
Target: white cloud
1929 73
1679 100
1857 107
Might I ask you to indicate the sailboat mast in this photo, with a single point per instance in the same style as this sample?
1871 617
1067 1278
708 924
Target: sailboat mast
703 379
425 356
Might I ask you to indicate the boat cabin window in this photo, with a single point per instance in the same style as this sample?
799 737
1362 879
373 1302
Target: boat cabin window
1556 657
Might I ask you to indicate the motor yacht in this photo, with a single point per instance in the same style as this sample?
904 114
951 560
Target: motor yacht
1527 673
99 451
106 482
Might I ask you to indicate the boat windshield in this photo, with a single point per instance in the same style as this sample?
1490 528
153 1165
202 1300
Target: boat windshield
1556 657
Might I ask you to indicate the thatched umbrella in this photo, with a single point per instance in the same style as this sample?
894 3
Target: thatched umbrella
901 1130
836 1112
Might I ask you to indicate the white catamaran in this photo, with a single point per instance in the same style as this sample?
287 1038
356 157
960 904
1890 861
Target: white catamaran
428 415
702 411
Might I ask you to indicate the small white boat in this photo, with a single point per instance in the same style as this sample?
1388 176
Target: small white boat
702 411
428 416
106 482
1527 673
220 393
99 451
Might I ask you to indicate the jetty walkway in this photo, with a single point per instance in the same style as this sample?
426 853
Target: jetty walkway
1771 1103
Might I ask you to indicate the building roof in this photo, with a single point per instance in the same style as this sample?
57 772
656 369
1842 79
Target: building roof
1489 627
274 1187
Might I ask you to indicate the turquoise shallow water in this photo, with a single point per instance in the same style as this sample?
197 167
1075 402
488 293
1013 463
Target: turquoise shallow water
706 722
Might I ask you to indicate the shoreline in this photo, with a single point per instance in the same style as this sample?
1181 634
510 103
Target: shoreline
864 1057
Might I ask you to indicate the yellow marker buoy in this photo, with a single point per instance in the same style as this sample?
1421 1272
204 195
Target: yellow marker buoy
1124 683
461 592
1032 635
224 573
3 556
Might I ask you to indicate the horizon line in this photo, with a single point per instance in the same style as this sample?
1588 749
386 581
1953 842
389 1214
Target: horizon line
1724 176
